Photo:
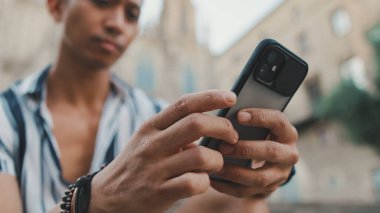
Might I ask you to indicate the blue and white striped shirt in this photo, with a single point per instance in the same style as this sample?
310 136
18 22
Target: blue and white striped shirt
29 151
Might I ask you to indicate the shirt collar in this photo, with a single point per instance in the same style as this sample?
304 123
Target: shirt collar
34 87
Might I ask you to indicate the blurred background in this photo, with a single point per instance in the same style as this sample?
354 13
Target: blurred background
192 45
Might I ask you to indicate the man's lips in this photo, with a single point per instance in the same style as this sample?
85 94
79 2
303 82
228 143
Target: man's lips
108 45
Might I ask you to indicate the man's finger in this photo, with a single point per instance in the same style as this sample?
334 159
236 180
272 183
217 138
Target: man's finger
195 102
196 159
259 178
274 120
262 150
195 126
186 185
239 190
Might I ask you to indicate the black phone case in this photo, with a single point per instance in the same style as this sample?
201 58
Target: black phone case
253 93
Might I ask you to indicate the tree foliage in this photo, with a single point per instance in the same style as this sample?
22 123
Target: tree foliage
356 109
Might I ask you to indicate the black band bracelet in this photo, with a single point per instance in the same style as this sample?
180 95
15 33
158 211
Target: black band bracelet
82 189
83 197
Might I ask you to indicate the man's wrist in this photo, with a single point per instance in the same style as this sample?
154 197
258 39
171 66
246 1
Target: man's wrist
97 202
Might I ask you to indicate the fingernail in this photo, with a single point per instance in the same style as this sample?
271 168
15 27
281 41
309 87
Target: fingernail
226 149
244 116
230 97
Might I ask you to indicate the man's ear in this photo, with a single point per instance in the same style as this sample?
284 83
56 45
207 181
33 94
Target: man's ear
56 8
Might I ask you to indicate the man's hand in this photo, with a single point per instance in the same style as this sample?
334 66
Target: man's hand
160 165
279 152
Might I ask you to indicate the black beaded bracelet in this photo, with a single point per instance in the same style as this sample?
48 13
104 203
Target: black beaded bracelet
67 199
81 192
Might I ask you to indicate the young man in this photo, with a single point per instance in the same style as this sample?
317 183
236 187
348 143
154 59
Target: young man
74 116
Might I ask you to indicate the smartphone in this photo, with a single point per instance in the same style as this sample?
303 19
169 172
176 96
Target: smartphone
269 80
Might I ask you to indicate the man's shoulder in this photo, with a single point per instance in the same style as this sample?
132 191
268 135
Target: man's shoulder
26 85
15 100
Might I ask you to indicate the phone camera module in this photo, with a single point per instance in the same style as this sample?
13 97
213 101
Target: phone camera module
265 73
270 65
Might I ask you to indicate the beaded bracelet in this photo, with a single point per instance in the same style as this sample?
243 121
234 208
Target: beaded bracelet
67 200
77 197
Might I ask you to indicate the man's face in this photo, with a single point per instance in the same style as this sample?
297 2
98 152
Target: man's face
99 31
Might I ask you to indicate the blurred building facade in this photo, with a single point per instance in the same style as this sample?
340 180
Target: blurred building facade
167 61
168 55
27 38
332 37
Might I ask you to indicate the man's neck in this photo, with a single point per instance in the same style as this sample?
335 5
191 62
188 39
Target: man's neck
77 82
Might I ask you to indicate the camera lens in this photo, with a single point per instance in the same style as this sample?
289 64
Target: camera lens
264 73
271 56
262 70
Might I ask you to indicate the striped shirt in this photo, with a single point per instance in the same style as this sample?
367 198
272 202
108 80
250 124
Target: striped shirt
29 151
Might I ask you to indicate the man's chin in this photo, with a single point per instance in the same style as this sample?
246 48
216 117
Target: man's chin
100 63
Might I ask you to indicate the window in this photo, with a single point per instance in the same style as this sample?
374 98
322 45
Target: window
188 80
374 34
354 69
376 183
313 89
333 179
341 22
184 18
303 43
297 14
145 76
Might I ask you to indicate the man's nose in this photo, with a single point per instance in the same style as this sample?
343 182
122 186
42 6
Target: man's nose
115 22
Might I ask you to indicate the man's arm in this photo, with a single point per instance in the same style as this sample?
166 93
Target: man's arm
10 199
157 166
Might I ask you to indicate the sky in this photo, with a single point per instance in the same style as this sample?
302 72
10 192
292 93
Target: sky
219 22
